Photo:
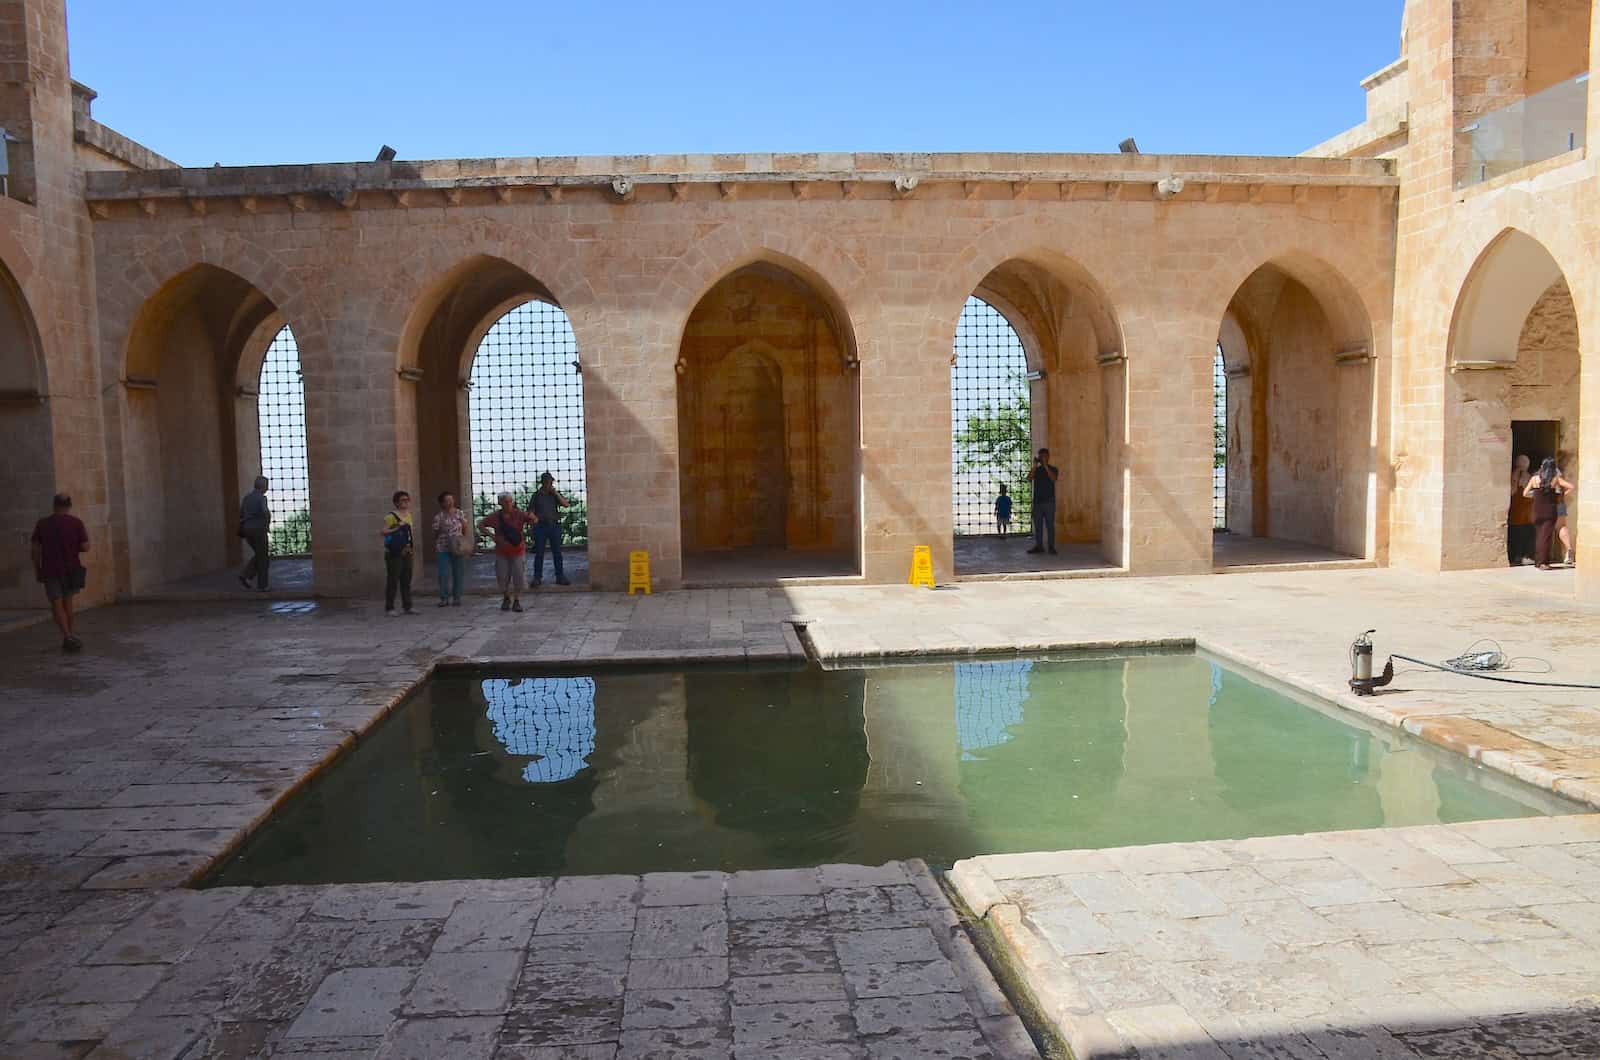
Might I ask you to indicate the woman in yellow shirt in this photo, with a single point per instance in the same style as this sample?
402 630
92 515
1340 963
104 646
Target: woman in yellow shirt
397 551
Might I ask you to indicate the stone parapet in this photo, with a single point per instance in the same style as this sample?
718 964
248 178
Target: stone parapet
622 173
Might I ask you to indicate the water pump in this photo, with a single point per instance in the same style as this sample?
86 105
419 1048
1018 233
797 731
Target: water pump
1362 683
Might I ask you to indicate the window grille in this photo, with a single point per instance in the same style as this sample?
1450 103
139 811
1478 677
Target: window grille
526 413
1219 442
990 420
281 418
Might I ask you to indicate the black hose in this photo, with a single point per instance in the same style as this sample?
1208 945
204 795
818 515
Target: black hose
1486 677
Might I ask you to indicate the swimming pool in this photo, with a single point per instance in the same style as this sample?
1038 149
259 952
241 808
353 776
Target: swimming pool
738 767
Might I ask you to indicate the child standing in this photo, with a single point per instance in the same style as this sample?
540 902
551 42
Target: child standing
1002 511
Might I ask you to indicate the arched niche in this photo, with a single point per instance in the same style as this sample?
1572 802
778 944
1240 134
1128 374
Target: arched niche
768 429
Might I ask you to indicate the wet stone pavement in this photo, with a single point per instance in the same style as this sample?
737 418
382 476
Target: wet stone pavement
836 962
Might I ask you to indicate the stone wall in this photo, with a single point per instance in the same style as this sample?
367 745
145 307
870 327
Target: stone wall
45 251
361 285
1451 428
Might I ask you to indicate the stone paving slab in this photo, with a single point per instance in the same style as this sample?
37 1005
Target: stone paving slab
129 768
1388 945
455 969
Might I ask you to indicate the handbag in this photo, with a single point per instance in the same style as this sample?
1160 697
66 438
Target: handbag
463 545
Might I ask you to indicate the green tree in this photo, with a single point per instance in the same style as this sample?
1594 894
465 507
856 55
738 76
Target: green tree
997 442
291 536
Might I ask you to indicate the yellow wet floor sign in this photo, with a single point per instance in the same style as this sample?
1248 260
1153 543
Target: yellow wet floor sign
639 572
922 566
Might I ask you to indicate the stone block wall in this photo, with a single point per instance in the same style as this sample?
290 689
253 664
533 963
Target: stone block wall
352 282
1451 426
45 251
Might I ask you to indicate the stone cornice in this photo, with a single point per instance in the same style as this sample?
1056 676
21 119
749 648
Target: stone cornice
677 178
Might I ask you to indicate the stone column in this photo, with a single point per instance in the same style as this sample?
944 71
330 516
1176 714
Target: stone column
1170 442
630 416
905 441
360 441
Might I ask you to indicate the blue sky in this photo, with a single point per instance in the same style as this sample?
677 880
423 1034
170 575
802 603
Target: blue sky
204 81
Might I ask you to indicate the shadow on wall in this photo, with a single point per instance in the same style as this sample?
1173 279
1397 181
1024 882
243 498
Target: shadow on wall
27 475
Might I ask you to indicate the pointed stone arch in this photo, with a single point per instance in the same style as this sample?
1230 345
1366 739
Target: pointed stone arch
1297 342
768 415
25 438
1514 382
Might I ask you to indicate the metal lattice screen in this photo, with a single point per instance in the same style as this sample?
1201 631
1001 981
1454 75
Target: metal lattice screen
1219 444
281 418
526 413
991 421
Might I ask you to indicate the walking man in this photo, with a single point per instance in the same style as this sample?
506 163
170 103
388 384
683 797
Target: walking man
59 540
1044 501
255 521
546 507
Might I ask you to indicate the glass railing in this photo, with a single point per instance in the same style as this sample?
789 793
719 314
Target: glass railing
1537 127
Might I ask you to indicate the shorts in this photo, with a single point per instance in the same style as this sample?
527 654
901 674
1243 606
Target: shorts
68 586
1561 510
510 573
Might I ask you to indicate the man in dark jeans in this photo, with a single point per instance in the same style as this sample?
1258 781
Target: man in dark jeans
546 507
1044 501
255 522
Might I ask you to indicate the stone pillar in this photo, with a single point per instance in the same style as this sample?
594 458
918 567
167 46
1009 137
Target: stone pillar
1170 442
630 416
360 443
1586 300
905 441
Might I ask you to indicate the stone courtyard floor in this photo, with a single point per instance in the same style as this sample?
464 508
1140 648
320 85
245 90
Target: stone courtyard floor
126 770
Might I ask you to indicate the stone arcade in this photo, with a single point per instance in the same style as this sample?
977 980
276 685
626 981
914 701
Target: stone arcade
778 327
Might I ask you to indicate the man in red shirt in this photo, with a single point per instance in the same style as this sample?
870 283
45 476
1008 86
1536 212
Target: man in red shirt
59 539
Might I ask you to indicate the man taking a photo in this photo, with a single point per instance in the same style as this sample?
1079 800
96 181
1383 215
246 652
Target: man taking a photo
1044 477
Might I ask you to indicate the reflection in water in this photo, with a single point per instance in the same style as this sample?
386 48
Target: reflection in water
989 698
780 755
633 771
548 719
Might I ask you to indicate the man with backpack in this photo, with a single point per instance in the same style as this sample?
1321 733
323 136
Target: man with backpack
398 540
509 525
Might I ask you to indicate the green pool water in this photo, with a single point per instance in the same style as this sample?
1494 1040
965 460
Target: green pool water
738 767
